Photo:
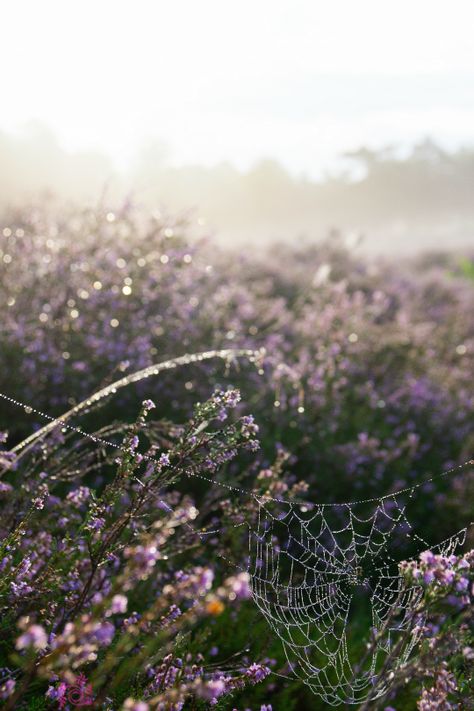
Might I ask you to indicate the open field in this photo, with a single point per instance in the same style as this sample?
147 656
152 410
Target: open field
132 545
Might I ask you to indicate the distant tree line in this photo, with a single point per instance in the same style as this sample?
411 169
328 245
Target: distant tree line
425 196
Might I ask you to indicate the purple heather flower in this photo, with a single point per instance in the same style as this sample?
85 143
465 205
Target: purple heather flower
231 398
57 693
164 460
173 613
35 636
205 579
249 427
436 697
428 576
96 524
212 689
118 605
257 672
132 620
24 567
222 415
4 562
447 577
239 586
79 496
104 633
462 584
148 405
7 689
20 589
144 557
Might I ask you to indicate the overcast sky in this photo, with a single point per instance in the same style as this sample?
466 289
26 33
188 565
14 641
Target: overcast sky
299 81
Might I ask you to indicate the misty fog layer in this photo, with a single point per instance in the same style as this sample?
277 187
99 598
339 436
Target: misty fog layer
419 201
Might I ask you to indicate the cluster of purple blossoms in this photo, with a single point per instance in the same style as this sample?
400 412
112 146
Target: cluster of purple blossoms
436 698
34 636
191 584
78 643
7 688
21 585
237 587
176 678
257 672
118 605
163 461
134 442
170 616
230 398
166 673
446 573
212 689
79 496
143 558
249 426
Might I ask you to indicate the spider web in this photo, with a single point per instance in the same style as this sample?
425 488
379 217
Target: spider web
313 568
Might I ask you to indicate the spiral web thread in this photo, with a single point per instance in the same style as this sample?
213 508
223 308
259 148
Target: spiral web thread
309 565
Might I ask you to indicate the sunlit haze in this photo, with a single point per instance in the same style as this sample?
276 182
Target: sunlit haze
299 82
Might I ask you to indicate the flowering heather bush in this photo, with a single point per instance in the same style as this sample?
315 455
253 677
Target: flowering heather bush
123 570
109 578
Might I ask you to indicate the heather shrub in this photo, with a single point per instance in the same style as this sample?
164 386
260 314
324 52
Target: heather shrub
124 567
